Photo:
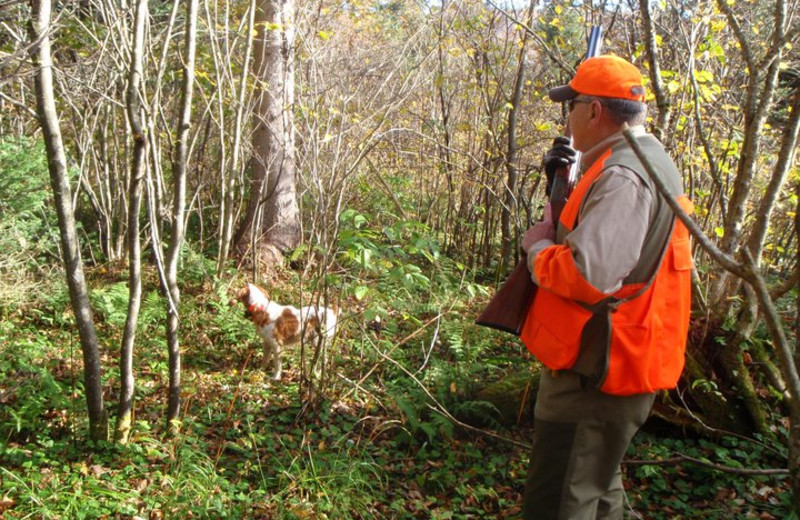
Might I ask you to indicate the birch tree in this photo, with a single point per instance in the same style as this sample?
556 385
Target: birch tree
135 188
178 211
228 177
40 28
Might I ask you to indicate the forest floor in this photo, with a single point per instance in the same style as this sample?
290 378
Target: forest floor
249 448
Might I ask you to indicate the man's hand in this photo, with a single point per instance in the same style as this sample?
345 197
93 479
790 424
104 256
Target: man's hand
540 231
560 155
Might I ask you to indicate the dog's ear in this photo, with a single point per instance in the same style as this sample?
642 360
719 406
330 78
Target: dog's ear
257 295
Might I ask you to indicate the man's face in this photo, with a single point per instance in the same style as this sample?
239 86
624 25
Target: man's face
580 114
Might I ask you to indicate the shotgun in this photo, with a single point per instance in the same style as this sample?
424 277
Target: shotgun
508 308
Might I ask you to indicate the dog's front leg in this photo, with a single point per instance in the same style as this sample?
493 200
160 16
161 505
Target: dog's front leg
272 358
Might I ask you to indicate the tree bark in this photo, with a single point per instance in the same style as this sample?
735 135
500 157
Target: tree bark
780 173
510 211
444 99
662 102
57 166
273 181
135 188
178 210
228 177
794 432
760 92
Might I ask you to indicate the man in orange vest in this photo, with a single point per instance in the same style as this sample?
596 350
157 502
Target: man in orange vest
611 315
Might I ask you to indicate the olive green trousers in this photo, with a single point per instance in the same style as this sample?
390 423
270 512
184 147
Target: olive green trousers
580 436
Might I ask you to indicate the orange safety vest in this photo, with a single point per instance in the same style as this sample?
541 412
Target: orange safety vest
645 350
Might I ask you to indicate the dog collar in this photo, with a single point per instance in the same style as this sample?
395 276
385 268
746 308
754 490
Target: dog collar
255 307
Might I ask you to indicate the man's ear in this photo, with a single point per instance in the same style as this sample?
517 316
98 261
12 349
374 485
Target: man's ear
596 111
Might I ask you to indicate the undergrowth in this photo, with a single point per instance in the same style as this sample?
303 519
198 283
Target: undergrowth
247 450
27 240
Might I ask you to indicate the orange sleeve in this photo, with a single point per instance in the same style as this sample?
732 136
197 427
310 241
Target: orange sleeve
556 272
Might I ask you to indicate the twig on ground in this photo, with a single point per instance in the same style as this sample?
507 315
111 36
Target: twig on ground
683 459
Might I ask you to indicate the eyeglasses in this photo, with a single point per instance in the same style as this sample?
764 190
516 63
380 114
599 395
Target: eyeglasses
574 101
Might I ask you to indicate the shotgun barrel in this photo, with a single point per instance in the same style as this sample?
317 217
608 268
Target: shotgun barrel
565 178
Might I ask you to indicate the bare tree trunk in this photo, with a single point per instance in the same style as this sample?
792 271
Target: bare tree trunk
178 210
57 165
282 214
228 177
662 102
444 98
794 431
135 188
762 82
273 181
780 173
510 210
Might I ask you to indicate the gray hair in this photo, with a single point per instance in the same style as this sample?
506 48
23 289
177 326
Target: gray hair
624 110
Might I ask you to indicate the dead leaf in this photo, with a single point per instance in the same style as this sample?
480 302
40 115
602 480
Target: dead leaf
6 503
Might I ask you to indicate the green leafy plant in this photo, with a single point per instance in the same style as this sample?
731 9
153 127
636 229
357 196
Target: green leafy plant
36 404
111 302
26 221
692 491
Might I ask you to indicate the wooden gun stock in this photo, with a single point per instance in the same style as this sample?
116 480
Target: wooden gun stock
508 308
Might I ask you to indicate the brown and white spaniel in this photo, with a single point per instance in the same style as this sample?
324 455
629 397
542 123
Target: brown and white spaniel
284 325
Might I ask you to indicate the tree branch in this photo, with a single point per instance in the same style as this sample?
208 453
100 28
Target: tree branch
526 27
748 272
683 459
725 260
662 101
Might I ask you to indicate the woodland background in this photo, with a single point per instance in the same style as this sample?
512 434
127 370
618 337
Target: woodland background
385 157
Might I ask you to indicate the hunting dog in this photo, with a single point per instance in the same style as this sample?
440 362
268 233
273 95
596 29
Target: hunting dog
284 325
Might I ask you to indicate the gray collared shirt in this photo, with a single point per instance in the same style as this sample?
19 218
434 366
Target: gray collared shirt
612 223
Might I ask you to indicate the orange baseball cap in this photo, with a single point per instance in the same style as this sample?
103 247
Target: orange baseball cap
603 76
